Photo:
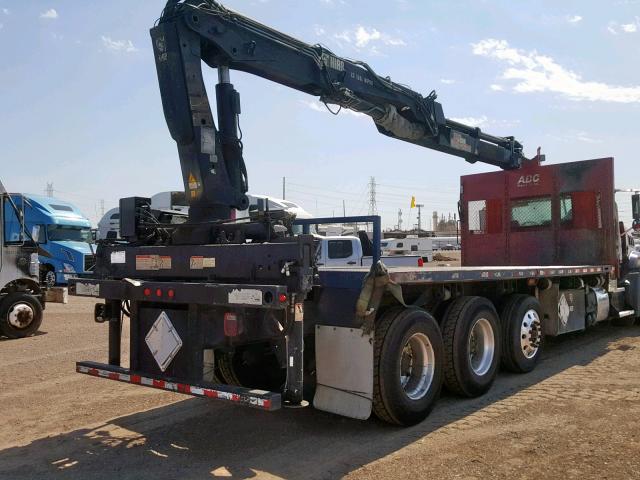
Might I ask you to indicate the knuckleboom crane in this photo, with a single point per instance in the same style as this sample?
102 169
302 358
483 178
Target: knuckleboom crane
190 32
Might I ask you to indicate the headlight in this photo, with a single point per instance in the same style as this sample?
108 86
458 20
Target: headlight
69 268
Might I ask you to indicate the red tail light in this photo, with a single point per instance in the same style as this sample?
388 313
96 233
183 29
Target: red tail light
158 292
282 297
231 324
420 262
147 292
171 293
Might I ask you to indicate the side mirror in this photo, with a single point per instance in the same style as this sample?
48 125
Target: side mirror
35 232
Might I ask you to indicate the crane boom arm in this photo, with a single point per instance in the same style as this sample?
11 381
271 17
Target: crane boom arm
192 31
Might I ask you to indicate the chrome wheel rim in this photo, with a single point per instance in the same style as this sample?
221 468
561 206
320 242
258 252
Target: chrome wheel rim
50 278
20 315
481 346
530 333
417 366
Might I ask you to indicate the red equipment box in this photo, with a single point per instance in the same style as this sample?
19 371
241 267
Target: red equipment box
560 214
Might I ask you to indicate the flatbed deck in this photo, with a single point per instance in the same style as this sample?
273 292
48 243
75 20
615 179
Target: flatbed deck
336 276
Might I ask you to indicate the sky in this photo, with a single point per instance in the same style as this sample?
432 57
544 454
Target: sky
81 107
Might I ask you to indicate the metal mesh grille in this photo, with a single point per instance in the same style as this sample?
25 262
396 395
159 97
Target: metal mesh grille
477 216
533 212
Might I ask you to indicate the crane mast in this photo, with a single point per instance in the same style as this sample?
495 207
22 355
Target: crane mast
190 32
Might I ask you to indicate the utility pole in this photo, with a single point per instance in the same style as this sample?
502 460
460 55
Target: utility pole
49 190
344 209
399 219
101 207
419 207
373 208
284 191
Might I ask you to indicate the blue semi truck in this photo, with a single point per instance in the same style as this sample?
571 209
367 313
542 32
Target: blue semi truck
63 235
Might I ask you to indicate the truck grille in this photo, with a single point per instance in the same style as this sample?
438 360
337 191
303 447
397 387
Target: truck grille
89 262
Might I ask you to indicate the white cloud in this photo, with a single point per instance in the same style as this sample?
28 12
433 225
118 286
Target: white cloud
447 81
49 14
118 45
317 106
319 31
614 27
473 121
362 37
533 72
5 11
574 18
496 88
575 135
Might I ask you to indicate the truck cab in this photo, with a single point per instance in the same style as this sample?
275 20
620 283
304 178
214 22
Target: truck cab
21 297
63 235
347 251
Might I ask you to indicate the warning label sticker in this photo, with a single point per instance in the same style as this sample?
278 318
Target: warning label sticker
245 296
193 183
153 262
198 263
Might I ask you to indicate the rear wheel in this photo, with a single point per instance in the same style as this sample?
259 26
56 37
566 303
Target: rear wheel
20 315
471 335
521 319
408 368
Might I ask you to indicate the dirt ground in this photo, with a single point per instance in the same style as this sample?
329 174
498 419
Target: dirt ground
576 416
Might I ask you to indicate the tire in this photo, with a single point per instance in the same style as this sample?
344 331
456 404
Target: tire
468 371
402 335
48 276
521 315
20 315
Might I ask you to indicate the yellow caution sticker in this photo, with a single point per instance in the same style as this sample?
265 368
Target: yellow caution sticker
193 183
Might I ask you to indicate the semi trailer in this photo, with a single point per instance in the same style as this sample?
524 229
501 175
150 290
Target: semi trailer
241 311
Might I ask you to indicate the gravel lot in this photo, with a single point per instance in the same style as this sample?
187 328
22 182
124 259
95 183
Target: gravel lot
576 416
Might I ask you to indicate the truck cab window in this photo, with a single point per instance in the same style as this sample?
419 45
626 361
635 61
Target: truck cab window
531 213
12 227
340 248
69 233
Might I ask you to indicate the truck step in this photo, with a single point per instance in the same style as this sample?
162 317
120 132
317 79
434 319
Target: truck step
260 399
625 313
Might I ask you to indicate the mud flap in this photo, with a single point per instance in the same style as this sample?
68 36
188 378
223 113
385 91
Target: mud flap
344 370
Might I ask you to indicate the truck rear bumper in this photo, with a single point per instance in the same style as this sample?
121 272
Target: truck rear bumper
260 399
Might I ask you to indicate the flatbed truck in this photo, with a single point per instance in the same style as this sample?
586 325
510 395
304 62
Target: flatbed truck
240 311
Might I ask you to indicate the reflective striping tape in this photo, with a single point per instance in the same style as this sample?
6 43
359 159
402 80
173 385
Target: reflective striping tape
246 399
